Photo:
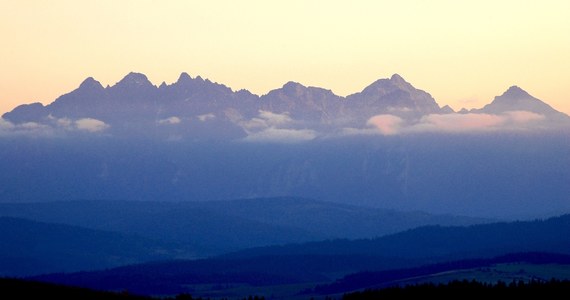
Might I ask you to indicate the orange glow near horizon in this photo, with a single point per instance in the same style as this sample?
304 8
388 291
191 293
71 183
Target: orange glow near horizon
463 53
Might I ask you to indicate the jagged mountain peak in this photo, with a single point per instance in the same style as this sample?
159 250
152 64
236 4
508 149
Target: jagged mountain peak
515 99
134 79
392 95
447 109
294 89
515 92
184 77
292 84
388 85
90 83
290 88
397 79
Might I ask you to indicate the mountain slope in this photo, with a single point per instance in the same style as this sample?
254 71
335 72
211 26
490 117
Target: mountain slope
310 104
488 175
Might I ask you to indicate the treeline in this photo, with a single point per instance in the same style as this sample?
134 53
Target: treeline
381 279
24 289
540 289
31 290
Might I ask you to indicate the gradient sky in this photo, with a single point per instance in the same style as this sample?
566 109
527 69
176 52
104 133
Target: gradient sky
462 52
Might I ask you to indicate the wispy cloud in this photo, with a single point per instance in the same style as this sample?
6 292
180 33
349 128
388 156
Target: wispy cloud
459 123
6 125
274 118
53 127
8 128
277 135
91 125
269 127
266 119
386 124
521 116
64 122
358 131
170 121
206 117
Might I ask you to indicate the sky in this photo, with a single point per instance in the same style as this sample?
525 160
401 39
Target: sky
462 52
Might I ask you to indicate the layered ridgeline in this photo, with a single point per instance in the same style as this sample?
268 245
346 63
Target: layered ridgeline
536 250
389 146
200 109
69 236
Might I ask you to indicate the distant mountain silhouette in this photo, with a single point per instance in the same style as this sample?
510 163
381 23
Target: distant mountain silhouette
201 109
516 99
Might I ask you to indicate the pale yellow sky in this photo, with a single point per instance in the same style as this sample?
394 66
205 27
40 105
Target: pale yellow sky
462 52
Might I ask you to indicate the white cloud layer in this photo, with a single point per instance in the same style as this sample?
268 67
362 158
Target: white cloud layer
206 117
453 123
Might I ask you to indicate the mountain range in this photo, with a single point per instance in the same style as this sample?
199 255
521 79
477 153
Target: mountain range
291 190
389 146
200 109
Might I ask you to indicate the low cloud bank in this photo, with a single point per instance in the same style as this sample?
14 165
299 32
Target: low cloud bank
386 124
53 127
454 123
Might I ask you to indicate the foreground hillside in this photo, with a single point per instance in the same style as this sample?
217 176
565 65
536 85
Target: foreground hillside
23 289
306 218
72 236
465 289
301 267
524 267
